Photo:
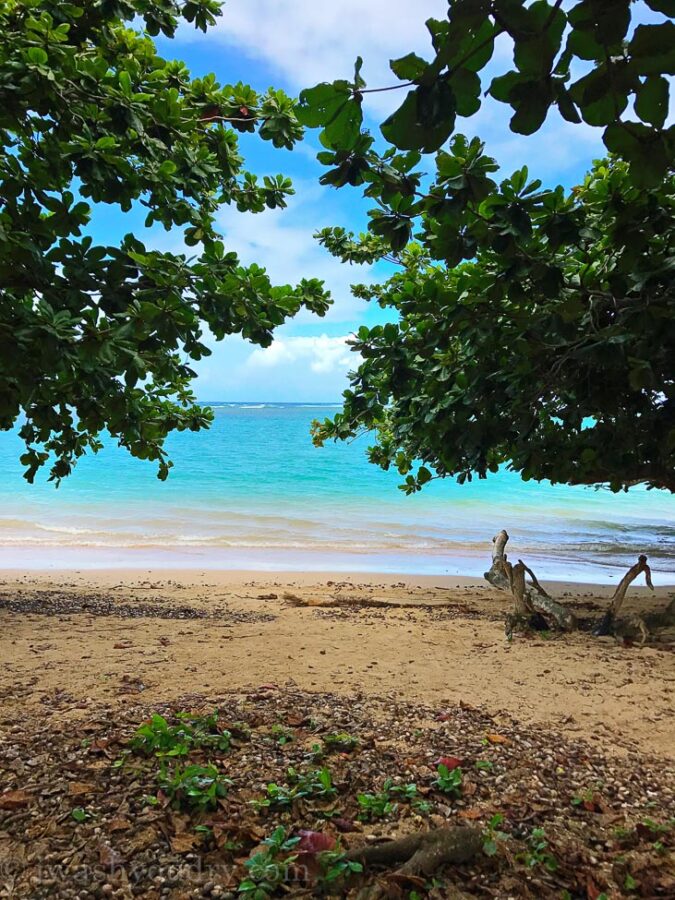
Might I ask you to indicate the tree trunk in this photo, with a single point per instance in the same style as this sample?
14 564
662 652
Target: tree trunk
606 626
420 854
524 608
529 598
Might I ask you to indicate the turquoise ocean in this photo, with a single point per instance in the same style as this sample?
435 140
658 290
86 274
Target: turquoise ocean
253 493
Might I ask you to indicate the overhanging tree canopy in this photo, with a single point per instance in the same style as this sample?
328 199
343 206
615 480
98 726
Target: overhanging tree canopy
96 337
535 327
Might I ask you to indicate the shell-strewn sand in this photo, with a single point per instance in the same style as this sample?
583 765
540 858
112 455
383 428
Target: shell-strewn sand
72 641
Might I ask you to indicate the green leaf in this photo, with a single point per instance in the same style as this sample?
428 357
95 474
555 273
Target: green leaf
653 49
502 86
490 847
335 107
167 168
470 47
651 103
319 105
125 83
37 56
582 43
534 55
106 143
425 120
409 68
649 152
358 80
466 85
566 106
531 101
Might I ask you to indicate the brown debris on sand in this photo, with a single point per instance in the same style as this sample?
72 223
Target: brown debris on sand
83 815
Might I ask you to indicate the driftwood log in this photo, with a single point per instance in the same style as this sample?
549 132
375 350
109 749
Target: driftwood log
608 622
419 854
530 598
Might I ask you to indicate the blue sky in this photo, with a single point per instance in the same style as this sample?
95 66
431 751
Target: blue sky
294 45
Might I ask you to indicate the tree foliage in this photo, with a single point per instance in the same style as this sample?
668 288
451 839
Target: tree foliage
95 336
535 327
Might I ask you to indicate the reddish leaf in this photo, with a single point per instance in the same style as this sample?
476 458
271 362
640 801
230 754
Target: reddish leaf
450 762
315 841
592 890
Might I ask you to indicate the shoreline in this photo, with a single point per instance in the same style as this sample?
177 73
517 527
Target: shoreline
268 562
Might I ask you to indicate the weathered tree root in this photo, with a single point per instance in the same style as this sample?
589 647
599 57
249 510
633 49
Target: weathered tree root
530 599
606 626
421 854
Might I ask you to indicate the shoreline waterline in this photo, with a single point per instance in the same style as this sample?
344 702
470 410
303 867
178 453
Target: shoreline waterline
309 564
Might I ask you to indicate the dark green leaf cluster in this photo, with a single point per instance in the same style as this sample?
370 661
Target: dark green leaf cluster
536 328
589 62
96 337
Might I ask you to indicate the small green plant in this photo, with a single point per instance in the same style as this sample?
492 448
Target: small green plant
484 765
383 803
281 735
196 787
423 807
655 827
378 805
316 753
316 785
492 834
538 853
268 869
629 884
449 781
80 815
585 797
340 742
193 732
121 759
375 806
410 793
335 866
404 791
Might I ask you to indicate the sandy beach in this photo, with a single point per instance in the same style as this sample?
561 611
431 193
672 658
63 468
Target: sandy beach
560 747
72 641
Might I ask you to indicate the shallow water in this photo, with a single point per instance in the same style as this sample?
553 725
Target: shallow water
254 493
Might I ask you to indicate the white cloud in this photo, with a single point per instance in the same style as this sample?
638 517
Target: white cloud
323 355
307 41
282 242
305 369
